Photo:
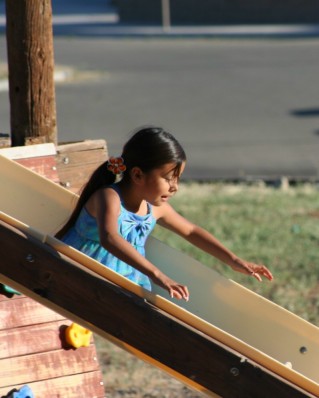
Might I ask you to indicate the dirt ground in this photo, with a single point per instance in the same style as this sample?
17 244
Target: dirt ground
126 376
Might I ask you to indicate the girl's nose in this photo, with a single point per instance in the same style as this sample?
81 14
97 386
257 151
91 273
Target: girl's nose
173 187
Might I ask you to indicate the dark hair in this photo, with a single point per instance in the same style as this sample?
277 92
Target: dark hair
149 148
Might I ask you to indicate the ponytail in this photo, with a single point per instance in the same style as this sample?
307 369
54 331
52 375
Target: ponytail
101 177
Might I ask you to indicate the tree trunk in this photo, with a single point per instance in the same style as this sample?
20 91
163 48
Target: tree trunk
31 71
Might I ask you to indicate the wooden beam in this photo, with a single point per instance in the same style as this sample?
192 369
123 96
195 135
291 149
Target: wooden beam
105 308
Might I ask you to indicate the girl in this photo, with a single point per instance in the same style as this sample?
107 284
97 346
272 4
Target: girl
113 219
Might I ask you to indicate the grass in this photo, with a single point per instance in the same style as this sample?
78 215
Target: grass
279 228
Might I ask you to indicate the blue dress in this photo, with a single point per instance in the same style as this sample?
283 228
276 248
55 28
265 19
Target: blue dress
84 236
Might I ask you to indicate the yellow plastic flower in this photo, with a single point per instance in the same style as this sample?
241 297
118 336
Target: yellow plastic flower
116 165
77 336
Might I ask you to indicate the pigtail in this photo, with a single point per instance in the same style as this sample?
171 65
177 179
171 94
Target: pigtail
101 177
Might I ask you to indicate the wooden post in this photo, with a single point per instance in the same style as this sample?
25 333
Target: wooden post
31 71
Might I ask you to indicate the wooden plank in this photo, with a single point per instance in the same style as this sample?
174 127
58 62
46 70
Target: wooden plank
45 166
23 312
77 161
32 339
47 365
85 145
199 360
75 386
3 297
38 158
74 160
29 151
78 167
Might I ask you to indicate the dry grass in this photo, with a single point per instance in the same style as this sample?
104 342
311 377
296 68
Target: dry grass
127 376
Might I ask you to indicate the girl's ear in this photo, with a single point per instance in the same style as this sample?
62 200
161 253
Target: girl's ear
136 174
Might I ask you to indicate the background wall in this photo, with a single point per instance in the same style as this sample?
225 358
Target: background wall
201 12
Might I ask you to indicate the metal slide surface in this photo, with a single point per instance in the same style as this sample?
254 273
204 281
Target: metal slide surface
222 309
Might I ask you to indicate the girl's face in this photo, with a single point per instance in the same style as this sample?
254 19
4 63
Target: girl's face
162 183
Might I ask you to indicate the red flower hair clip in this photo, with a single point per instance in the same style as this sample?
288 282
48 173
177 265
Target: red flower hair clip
116 165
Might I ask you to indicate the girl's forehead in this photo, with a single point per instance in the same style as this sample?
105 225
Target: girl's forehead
173 168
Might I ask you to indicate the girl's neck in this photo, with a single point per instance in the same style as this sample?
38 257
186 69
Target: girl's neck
132 200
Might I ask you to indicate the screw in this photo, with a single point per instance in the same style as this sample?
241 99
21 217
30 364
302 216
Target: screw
303 350
30 258
234 371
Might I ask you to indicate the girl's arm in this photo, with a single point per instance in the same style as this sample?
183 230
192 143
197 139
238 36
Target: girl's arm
199 237
105 206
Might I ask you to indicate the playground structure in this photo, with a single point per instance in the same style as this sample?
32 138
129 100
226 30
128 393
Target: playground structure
33 346
226 342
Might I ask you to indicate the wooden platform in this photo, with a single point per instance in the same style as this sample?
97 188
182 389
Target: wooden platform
33 350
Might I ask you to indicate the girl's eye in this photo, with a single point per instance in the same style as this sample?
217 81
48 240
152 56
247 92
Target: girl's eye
172 179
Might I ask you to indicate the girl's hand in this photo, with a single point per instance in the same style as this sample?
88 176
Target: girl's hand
174 289
252 269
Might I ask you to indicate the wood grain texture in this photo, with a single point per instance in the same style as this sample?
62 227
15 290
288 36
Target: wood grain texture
44 165
71 386
24 312
77 161
31 339
47 365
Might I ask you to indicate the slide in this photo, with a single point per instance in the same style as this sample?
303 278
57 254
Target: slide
265 333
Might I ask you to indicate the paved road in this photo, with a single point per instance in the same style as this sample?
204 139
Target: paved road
242 108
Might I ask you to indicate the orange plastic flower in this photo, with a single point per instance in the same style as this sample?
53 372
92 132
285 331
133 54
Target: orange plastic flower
116 165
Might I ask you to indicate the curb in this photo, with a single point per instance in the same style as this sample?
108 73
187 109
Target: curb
187 32
107 25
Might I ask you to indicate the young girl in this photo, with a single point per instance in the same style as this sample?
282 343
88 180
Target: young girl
124 199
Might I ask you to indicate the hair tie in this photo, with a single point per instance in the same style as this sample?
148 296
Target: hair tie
116 165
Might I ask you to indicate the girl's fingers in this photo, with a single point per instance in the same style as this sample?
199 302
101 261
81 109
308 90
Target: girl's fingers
179 292
261 270
185 293
257 276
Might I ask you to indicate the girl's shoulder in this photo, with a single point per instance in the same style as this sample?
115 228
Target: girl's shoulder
162 211
106 191
105 197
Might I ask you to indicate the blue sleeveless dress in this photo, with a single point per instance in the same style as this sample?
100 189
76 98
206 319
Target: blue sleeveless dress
84 236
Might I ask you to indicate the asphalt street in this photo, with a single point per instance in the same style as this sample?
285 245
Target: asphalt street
244 107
